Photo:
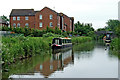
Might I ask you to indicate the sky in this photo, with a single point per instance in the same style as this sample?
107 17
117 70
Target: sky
97 12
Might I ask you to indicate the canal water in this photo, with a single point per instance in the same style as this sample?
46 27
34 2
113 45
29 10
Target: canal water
89 60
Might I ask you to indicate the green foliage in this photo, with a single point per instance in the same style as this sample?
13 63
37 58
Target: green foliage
117 30
101 29
115 47
19 47
52 35
48 29
4 18
112 24
83 29
81 40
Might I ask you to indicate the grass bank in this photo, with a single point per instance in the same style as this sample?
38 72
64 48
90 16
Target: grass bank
79 40
16 48
115 46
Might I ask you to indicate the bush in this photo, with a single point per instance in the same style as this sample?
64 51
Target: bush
17 47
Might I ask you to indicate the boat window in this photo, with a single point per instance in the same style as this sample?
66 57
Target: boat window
57 41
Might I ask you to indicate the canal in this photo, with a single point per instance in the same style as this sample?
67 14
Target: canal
89 60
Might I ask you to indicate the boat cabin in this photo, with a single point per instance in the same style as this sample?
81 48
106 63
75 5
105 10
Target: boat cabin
59 43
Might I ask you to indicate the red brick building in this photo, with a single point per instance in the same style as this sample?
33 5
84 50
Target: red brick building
41 19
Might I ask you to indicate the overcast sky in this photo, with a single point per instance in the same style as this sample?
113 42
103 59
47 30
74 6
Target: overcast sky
97 12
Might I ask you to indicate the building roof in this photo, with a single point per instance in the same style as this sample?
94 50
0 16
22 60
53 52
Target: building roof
31 12
61 14
22 12
50 9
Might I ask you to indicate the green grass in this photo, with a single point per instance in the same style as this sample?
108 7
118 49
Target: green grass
79 40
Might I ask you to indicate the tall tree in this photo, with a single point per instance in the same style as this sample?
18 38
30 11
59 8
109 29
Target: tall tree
83 29
4 18
112 24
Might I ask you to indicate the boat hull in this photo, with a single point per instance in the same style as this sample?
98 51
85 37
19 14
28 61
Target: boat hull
55 47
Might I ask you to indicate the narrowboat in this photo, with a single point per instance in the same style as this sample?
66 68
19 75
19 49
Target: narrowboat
108 38
61 43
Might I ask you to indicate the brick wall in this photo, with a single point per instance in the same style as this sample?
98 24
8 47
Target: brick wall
34 21
45 12
22 21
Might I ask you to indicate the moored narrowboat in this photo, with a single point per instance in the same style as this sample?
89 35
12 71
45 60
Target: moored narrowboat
61 43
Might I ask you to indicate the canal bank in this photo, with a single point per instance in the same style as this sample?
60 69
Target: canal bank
88 60
19 48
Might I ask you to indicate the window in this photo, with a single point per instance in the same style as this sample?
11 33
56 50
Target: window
41 67
40 24
26 25
18 18
14 25
26 18
40 16
51 16
57 41
18 25
14 18
51 25
51 67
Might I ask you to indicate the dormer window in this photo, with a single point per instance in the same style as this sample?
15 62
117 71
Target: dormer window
51 16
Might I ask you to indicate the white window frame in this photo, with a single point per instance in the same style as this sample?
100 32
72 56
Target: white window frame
51 16
51 25
18 24
40 24
26 18
40 17
26 25
18 18
14 18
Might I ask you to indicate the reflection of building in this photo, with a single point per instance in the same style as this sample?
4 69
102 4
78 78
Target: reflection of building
58 62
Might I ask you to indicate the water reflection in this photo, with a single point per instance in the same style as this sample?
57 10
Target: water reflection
83 50
57 63
89 60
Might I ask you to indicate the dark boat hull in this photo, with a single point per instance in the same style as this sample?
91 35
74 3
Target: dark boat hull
54 47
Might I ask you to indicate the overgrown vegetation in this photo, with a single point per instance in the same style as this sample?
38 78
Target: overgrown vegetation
37 33
80 40
14 48
115 46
